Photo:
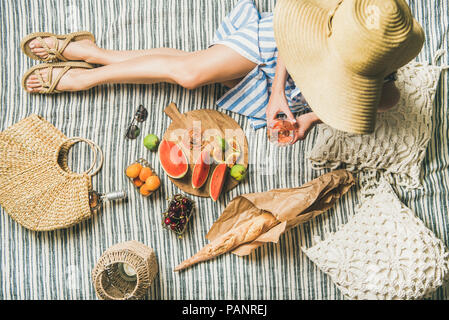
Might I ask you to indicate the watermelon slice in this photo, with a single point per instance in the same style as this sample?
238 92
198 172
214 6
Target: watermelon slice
217 180
201 170
172 159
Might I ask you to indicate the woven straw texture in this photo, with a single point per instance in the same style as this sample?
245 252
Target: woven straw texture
37 188
344 49
106 278
58 264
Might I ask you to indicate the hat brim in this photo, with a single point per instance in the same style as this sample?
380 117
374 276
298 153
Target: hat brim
340 97
343 99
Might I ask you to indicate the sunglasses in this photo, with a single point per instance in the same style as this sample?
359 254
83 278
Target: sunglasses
133 130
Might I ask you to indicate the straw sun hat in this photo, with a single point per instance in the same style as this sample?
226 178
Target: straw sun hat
339 51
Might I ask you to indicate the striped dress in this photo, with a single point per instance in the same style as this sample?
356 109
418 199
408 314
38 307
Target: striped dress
251 34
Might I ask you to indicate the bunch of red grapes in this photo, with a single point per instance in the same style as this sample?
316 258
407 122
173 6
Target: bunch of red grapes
178 214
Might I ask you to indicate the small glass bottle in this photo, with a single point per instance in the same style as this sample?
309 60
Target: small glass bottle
96 199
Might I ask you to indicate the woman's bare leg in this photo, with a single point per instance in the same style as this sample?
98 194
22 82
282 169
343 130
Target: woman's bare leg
86 50
105 57
215 64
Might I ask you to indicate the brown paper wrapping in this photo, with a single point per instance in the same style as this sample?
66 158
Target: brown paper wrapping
290 207
253 219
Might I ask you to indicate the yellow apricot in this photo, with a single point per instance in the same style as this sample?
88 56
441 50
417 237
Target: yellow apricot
137 182
144 190
145 173
153 183
133 170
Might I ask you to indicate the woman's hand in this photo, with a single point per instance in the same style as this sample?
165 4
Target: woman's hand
304 124
278 104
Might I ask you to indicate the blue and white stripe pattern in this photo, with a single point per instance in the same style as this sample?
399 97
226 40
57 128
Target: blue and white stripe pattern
251 34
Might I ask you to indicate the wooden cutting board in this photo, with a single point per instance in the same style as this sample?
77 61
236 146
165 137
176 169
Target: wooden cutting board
209 121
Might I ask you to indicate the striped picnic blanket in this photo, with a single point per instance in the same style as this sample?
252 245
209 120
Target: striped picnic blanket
58 265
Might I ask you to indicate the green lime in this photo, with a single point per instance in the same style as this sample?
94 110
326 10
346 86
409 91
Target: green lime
238 172
151 142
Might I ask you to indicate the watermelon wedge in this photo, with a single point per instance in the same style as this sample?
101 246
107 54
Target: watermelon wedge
201 170
217 180
173 159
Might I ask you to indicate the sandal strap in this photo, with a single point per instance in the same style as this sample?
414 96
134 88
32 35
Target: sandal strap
49 86
47 48
55 82
44 84
56 52
65 43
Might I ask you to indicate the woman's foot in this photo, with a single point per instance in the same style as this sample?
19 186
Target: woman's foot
69 81
81 50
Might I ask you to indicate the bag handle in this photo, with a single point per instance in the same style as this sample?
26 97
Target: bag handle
438 54
95 149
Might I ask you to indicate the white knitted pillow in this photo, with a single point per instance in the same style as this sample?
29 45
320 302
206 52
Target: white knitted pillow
383 252
398 145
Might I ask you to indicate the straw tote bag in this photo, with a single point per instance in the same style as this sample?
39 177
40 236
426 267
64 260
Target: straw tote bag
37 188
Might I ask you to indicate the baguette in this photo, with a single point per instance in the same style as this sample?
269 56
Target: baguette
246 232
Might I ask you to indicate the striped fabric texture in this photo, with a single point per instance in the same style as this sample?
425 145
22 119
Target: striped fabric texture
58 265
251 34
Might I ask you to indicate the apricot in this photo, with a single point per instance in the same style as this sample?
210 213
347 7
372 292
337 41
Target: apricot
137 182
153 183
133 170
145 173
145 190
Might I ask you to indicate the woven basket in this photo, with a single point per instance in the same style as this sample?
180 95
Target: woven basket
37 189
109 282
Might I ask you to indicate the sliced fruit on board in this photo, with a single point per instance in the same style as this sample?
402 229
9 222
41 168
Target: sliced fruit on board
221 143
172 159
201 170
234 145
194 138
217 154
217 180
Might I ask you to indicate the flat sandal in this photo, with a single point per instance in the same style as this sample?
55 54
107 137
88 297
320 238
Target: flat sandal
49 86
54 54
